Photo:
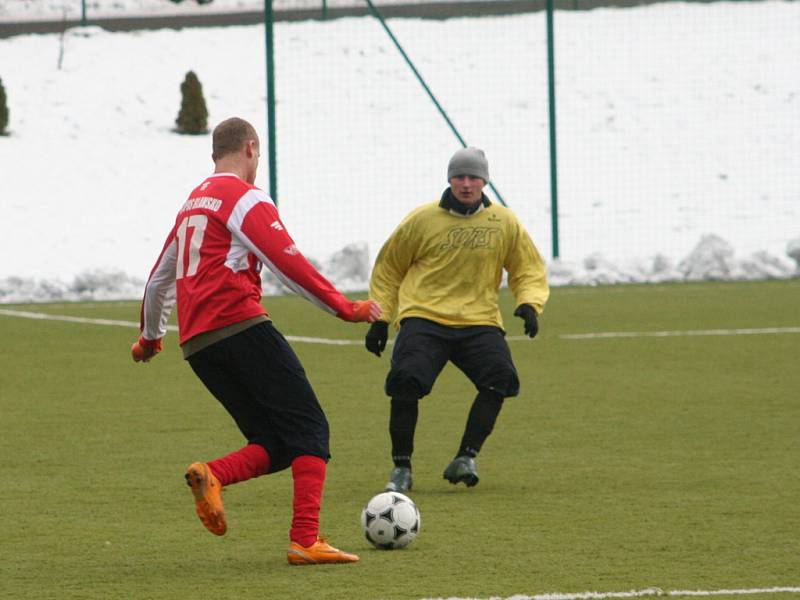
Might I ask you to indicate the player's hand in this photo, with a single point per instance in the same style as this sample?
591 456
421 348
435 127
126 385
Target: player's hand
143 350
365 310
528 314
376 337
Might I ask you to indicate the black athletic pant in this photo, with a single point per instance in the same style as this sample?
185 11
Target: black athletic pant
259 380
422 348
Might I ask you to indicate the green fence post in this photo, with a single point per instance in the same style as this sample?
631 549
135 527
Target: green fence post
271 137
324 10
83 13
551 88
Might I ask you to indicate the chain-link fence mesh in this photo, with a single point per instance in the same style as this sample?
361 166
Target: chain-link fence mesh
675 121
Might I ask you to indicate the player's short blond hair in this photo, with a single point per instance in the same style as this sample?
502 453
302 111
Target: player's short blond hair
229 137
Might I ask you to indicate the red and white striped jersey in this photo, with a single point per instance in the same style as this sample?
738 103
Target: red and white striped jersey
211 262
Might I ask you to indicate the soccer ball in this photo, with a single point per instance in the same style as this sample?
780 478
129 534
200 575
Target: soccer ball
390 520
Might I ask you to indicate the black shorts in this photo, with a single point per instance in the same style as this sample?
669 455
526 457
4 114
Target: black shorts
422 348
259 380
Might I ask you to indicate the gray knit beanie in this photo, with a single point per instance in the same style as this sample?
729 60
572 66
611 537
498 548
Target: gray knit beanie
468 161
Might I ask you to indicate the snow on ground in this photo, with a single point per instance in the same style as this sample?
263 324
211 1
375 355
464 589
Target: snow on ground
679 137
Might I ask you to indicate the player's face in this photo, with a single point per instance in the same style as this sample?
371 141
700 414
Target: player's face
467 189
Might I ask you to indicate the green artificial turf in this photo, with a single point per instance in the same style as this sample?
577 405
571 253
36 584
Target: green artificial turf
625 463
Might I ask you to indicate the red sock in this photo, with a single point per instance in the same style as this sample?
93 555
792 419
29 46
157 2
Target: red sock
308 473
251 461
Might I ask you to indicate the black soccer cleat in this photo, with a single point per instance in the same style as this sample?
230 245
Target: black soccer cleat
462 468
399 480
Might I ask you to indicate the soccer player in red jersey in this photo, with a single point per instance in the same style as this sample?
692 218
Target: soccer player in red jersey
210 267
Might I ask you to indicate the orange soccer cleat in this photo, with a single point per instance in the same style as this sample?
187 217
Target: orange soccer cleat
207 497
318 553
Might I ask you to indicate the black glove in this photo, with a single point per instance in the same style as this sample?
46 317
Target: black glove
528 314
376 337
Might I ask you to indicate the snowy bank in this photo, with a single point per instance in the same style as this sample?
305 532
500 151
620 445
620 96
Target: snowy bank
713 259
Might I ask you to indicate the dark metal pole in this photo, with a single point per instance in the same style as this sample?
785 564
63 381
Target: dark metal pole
271 137
551 79
83 13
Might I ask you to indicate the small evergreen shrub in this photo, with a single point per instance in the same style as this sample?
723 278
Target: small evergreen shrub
3 110
193 116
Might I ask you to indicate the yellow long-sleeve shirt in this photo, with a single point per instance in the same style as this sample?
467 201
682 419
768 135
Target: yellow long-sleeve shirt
448 267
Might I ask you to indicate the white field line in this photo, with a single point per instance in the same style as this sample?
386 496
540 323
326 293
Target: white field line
776 590
513 338
45 317
654 591
679 333
66 318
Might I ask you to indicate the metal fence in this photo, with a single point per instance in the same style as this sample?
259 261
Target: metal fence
674 120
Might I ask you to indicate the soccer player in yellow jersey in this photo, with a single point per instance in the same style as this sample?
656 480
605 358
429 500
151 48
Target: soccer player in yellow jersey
437 277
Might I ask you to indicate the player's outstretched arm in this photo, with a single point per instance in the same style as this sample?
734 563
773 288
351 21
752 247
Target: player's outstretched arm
159 298
260 229
144 350
363 311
